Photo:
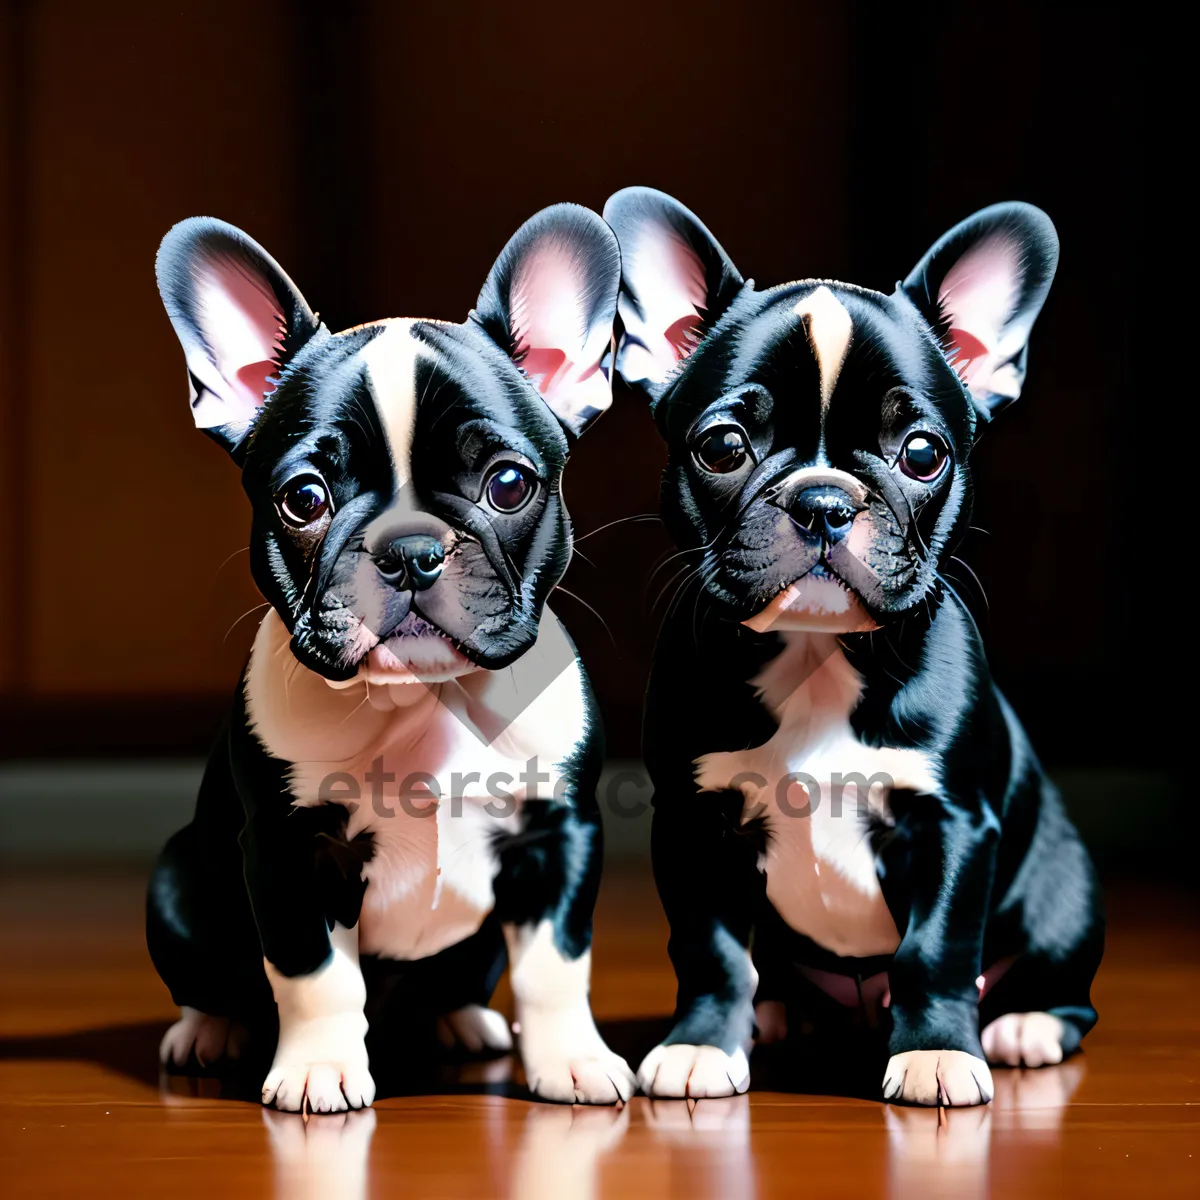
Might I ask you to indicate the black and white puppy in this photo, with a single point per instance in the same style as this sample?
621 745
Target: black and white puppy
406 784
838 781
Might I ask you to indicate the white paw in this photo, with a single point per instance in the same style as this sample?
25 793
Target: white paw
770 1016
321 1065
475 1028
566 1060
211 1038
947 1078
693 1071
1024 1040
598 1077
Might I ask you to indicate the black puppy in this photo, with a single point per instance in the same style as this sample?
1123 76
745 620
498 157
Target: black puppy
408 774
838 782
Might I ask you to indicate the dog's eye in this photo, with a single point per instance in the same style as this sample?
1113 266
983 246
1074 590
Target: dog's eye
923 456
304 501
722 450
509 488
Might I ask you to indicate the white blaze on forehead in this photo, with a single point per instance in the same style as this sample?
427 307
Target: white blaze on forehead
829 329
391 361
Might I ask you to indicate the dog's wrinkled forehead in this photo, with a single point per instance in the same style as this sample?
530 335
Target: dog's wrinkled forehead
826 354
392 398
957 327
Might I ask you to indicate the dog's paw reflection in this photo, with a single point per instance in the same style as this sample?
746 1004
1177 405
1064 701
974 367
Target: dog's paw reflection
946 1151
706 1144
561 1149
322 1155
728 1116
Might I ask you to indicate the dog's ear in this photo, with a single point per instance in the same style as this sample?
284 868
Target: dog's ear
676 281
238 317
981 287
550 302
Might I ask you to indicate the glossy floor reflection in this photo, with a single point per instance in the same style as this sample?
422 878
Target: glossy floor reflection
83 1111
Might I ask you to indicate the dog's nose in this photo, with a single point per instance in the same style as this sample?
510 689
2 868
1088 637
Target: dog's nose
827 512
412 562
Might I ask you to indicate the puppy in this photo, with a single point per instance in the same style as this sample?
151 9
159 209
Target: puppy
406 782
838 781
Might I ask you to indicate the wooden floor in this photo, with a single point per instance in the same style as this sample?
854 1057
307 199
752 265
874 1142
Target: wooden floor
83 1112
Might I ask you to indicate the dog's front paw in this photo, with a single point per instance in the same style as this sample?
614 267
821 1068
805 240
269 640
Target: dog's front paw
567 1061
209 1038
948 1078
321 1065
681 1070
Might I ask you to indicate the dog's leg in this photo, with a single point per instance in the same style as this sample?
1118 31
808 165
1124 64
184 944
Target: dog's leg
708 884
200 930
936 1055
321 1056
1040 1008
321 1059
549 877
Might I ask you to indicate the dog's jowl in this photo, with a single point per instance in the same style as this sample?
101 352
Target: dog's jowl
405 789
838 783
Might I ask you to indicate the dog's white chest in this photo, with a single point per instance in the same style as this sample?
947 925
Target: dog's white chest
813 785
435 792
429 880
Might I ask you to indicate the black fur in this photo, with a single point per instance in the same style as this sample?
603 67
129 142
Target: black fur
254 874
988 866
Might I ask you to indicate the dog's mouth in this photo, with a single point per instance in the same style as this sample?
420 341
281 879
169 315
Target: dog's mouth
416 651
819 601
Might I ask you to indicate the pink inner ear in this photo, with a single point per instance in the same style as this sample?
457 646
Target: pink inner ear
542 366
258 379
978 298
552 343
672 294
242 326
683 336
970 350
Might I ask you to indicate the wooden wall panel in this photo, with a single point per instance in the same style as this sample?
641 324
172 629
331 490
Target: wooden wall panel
14 503
138 116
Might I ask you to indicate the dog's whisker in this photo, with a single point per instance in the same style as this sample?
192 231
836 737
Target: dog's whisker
978 582
580 600
248 612
635 519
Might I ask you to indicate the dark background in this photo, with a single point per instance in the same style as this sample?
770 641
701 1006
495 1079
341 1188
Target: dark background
384 152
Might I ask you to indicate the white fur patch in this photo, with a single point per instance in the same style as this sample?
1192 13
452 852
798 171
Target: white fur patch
391 361
564 1056
210 1038
694 1072
429 884
830 329
1031 1039
475 1028
321 1059
821 874
816 605
946 1078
